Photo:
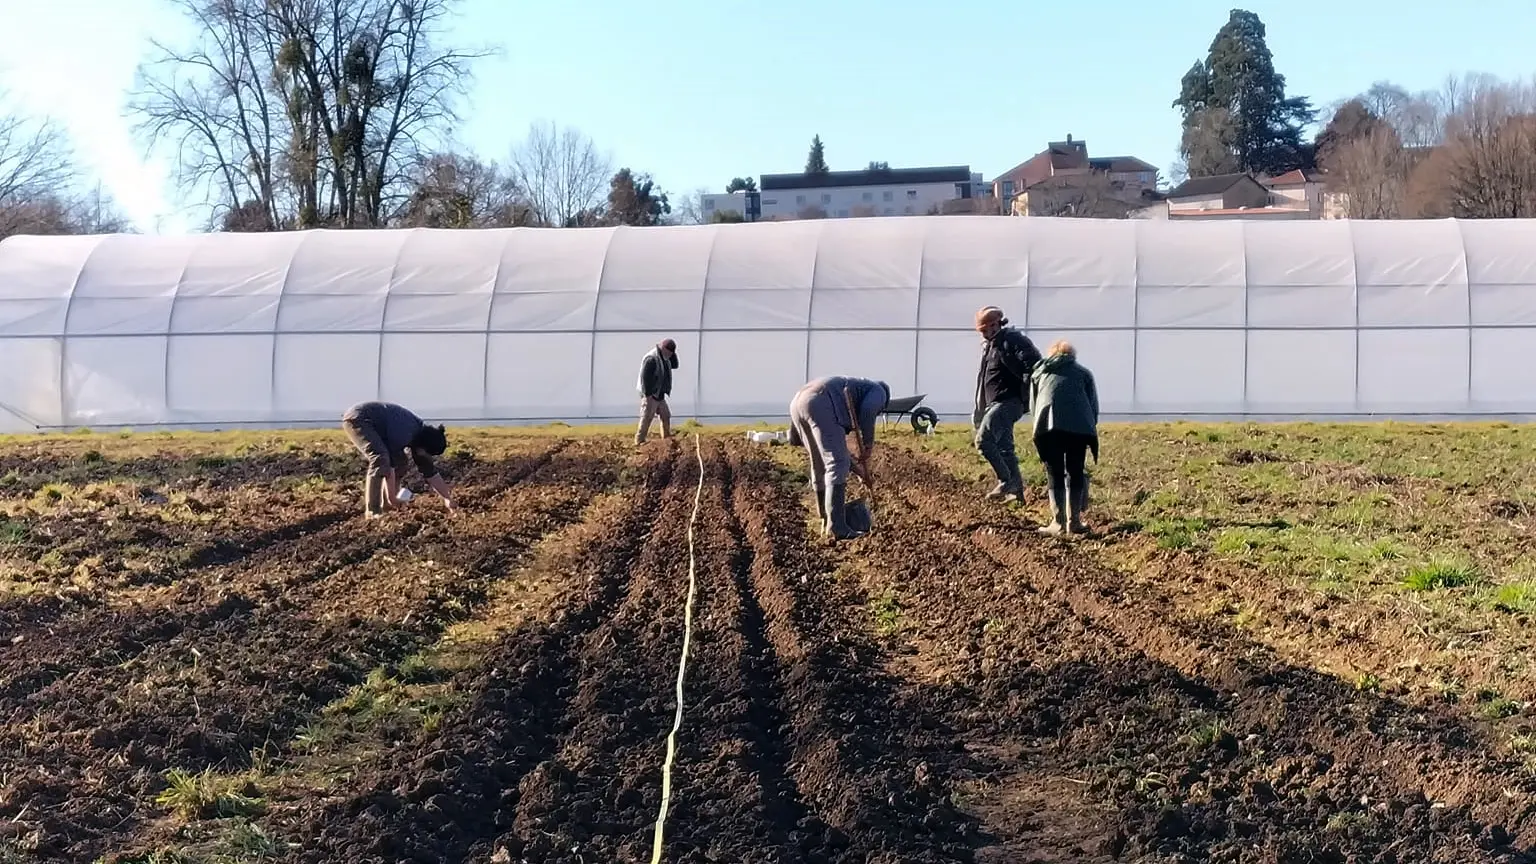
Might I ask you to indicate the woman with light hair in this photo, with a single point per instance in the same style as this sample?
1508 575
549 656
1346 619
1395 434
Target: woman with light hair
1065 404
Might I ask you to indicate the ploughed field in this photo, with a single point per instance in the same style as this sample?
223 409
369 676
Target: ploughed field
1282 644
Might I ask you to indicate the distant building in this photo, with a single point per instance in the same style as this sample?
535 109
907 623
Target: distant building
1063 179
848 194
1299 194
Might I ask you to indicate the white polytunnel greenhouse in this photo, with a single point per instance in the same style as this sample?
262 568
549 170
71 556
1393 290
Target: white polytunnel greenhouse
1213 318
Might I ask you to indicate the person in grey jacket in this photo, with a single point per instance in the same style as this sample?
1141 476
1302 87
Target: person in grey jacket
655 386
1066 426
821 421
1002 396
382 432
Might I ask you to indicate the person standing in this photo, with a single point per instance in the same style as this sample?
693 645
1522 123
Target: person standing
1002 397
821 420
655 386
1066 425
382 432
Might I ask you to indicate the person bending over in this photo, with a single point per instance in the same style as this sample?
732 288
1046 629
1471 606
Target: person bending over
821 421
382 432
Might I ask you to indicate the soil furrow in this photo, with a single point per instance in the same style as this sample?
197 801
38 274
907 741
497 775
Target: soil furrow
490 762
734 798
871 755
597 796
189 707
1356 747
275 565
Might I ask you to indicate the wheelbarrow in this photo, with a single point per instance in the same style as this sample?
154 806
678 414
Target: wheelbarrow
924 418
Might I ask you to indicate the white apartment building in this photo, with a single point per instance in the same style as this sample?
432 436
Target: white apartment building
846 194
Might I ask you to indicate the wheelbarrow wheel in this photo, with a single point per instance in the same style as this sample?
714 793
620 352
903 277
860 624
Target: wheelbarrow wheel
924 419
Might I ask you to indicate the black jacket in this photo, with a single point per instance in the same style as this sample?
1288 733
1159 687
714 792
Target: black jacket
656 375
1006 361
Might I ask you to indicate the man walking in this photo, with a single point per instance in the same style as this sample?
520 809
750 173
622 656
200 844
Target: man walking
1002 396
655 386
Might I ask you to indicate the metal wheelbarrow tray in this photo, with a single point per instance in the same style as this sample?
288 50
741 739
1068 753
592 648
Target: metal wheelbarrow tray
923 417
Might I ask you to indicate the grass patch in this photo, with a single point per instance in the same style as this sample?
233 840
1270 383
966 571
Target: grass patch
1439 575
1516 597
208 795
886 610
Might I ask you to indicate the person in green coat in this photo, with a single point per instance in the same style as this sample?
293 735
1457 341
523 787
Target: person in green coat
1065 403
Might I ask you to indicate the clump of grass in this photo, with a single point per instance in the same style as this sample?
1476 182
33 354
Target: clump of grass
247 841
208 795
1499 708
1176 533
1517 597
1342 823
1440 574
887 612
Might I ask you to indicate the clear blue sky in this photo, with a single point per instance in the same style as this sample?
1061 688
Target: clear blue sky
696 92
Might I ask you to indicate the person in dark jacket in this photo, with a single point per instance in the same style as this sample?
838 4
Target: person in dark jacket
382 432
1002 397
1066 426
821 420
655 386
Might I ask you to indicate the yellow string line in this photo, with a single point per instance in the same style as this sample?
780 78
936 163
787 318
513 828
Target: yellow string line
682 663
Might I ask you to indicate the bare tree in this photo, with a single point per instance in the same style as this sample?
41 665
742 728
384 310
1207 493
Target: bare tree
1491 139
38 181
1371 171
34 157
690 208
1086 196
451 190
1417 118
560 172
297 113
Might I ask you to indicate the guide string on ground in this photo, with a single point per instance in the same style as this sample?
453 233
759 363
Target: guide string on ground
682 662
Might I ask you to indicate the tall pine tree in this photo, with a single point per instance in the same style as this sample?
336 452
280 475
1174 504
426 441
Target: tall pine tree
816 162
1236 114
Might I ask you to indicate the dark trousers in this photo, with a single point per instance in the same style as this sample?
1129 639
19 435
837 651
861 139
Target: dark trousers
1064 455
365 437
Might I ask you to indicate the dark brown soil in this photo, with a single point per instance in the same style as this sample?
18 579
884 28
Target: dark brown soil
952 688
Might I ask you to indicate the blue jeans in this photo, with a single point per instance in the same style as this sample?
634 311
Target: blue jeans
994 438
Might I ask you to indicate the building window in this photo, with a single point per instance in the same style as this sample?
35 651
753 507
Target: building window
826 198
886 196
868 196
1007 188
911 194
799 199
770 201
890 211
710 204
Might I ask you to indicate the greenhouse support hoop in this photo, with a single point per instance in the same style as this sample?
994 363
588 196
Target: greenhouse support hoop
682 661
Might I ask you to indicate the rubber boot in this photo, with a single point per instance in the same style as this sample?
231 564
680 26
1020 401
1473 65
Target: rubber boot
837 498
1058 515
373 495
821 509
1076 502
